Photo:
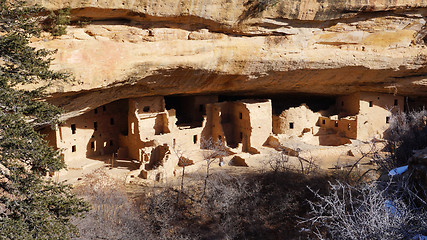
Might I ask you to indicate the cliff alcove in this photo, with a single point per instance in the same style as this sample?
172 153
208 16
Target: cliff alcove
240 72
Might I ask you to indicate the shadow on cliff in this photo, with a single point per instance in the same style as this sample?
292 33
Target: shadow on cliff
254 8
189 81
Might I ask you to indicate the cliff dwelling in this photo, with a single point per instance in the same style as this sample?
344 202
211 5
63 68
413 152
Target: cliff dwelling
150 131
175 111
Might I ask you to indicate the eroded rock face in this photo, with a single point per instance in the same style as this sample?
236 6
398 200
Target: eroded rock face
147 48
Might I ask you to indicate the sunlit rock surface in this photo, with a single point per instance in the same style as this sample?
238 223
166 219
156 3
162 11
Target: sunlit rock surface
145 48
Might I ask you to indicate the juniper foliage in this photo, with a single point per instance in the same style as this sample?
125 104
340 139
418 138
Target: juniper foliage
31 207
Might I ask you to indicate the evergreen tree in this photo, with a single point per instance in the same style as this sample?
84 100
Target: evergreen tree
31 206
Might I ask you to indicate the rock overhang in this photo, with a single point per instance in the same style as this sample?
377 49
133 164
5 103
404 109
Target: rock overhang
146 49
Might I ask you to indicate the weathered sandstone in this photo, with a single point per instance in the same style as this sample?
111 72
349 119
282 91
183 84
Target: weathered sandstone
148 48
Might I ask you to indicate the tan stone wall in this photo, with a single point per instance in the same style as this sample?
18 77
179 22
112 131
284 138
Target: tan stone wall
156 141
326 122
146 118
213 127
348 127
85 140
198 108
146 105
293 121
227 122
375 108
241 125
247 122
260 122
348 105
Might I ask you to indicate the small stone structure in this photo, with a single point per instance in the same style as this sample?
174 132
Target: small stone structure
295 121
363 115
246 122
94 133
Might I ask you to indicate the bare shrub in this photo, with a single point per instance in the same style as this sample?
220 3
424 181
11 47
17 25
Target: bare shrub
214 150
253 206
407 132
165 218
232 200
113 215
278 161
259 205
365 212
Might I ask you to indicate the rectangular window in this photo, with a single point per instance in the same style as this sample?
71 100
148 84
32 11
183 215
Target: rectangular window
73 128
241 135
336 123
396 102
146 109
201 108
291 125
323 121
95 111
111 143
104 108
371 104
195 139
92 145
111 121
240 115
73 148
387 119
95 126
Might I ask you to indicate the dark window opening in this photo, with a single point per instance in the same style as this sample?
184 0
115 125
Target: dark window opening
342 103
323 121
146 109
241 135
173 142
92 145
349 126
95 126
395 102
201 108
96 110
73 148
371 103
195 139
104 108
73 128
240 115
387 119
291 125
111 121
111 143
336 123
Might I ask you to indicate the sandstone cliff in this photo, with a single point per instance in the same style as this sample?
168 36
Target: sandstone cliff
163 47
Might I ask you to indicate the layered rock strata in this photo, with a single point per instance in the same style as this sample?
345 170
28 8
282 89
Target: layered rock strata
146 48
